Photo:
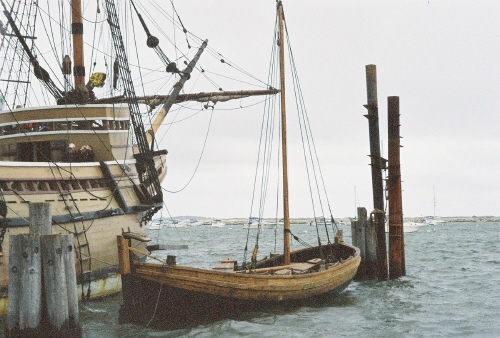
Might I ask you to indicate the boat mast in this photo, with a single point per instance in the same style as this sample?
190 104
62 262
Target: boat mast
434 194
281 44
77 31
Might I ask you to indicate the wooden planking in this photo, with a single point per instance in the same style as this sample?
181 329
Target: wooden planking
252 287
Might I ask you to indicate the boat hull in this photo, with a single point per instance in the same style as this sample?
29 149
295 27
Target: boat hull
90 209
185 293
104 277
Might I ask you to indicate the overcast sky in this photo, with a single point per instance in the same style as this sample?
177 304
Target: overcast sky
442 58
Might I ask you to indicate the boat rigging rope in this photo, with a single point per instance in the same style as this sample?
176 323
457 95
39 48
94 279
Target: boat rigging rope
301 241
3 213
199 159
264 152
305 129
156 306
18 75
39 72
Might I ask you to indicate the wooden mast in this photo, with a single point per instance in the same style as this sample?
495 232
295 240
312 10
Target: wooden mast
286 217
77 31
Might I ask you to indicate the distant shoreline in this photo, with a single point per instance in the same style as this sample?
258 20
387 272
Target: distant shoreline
345 220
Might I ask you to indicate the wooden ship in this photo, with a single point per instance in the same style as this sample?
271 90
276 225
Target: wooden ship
164 289
116 189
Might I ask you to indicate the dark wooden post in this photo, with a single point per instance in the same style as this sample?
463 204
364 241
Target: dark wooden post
376 165
371 248
128 313
396 234
379 222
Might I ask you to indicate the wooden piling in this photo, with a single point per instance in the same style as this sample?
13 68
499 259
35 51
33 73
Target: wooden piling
43 299
359 240
59 279
396 235
40 218
68 245
371 248
376 166
54 280
379 222
364 237
25 285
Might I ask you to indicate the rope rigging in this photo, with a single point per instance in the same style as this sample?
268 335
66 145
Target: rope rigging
150 176
199 159
153 42
38 71
317 188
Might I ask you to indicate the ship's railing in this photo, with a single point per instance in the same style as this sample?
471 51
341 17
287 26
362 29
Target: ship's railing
88 125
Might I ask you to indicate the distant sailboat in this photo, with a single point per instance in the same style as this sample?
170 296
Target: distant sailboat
433 220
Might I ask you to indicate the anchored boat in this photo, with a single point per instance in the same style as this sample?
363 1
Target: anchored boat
164 288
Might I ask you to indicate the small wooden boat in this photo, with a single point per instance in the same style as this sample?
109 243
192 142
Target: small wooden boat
181 292
169 290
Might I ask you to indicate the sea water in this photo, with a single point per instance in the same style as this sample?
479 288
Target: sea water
451 289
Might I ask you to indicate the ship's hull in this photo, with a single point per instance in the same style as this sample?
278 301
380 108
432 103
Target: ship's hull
83 202
178 293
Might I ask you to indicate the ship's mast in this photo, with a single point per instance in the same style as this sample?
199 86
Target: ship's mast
77 31
286 218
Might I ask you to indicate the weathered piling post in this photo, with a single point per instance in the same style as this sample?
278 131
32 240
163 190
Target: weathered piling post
25 286
42 281
364 237
371 248
378 220
396 234
59 281
376 166
359 240
40 219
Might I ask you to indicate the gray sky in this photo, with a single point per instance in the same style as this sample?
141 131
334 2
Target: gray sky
440 57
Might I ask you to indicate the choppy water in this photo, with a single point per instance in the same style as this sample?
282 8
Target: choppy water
452 289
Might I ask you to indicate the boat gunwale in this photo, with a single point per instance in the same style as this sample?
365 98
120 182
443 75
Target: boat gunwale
250 287
179 268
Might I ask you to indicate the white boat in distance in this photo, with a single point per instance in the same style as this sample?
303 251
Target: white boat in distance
408 227
412 226
161 223
254 224
218 223
433 220
321 221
